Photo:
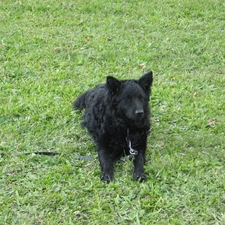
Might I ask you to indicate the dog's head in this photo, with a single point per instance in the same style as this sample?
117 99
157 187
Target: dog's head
131 97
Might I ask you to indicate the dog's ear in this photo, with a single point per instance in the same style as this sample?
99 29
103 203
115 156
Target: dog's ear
113 84
146 81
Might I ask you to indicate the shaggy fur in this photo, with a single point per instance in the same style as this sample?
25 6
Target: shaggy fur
117 116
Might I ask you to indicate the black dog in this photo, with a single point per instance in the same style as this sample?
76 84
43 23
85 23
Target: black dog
117 117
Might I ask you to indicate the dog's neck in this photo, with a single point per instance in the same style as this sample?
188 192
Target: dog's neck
129 143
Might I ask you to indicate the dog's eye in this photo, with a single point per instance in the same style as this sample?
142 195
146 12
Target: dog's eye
140 97
128 98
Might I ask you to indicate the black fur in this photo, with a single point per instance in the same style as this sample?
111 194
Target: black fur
115 113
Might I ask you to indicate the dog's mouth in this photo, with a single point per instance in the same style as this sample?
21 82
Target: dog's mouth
135 117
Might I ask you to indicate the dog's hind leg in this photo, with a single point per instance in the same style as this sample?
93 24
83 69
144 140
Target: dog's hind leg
106 164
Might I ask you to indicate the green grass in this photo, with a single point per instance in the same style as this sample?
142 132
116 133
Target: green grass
51 51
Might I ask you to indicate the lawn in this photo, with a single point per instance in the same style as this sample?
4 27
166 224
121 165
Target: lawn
51 51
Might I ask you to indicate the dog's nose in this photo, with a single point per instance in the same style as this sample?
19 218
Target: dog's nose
139 112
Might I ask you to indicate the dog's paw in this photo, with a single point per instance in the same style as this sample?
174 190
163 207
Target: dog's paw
106 177
140 177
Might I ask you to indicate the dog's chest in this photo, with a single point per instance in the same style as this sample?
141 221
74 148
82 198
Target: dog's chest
118 141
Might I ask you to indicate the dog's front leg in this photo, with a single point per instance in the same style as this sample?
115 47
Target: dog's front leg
139 172
106 164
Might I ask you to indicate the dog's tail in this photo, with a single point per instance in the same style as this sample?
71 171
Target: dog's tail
80 102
